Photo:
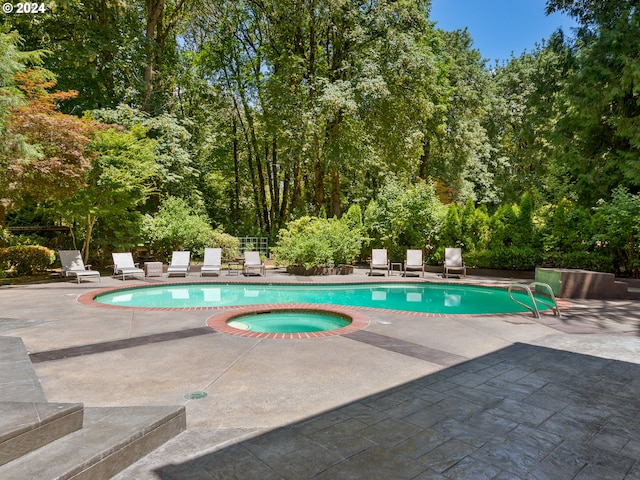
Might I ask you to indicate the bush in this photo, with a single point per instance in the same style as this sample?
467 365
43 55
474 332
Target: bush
319 242
27 259
230 245
405 216
177 227
598 262
505 258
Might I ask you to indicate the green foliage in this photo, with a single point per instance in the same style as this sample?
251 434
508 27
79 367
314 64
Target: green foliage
621 232
230 245
405 217
319 242
507 258
451 234
177 226
475 227
568 228
27 259
118 181
174 163
596 261
5 237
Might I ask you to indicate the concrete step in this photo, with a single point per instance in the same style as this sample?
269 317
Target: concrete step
18 379
25 427
111 439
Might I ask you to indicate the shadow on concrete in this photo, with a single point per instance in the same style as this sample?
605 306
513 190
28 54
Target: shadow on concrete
522 412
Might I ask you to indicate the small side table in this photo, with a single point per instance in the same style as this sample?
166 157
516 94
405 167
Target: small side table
393 266
236 271
153 269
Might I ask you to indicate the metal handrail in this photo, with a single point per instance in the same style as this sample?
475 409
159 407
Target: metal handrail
553 305
534 308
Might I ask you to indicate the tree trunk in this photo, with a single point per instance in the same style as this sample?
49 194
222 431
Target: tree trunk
91 221
155 10
335 192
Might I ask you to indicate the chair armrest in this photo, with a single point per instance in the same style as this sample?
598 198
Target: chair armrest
87 266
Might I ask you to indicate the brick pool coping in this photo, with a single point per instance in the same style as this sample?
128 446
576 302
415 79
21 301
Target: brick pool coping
219 321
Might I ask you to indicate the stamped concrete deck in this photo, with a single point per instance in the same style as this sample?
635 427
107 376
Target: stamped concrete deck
407 397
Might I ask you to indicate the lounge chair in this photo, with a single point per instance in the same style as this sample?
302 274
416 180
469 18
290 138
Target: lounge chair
72 264
212 262
123 265
414 261
378 260
179 263
252 261
453 262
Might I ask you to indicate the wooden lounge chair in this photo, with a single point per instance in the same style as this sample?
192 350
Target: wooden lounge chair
252 261
72 264
414 261
212 262
453 262
378 260
179 263
124 265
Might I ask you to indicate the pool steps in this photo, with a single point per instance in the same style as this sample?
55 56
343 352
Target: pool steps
43 440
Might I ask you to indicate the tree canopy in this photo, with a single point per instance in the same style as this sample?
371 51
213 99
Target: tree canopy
259 113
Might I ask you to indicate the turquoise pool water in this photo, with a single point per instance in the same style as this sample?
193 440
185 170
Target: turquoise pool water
288 322
410 297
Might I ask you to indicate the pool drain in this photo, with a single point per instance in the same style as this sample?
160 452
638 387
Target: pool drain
195 395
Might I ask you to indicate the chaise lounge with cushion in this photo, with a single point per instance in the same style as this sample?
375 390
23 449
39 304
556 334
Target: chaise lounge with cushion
212 262
72 264
124 265
179 263
453 262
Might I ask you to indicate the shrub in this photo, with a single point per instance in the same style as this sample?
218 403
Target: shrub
405 216
475 227
27 259
319 242
230 245
177 226
599 262
505 258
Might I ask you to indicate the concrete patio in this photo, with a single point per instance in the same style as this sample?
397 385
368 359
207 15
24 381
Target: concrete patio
407 397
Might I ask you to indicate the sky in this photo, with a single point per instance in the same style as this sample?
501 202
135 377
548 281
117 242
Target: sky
500 27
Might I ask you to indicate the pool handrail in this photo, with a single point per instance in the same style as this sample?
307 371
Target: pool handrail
534 308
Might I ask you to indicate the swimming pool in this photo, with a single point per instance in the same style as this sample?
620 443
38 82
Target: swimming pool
409 297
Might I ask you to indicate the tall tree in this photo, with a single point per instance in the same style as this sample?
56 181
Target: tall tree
58 169
326 94
598 132
12 144
96 49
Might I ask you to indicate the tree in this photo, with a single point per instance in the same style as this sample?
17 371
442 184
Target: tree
326 96
457 153
174 163
118 181
62 140
12 61
177 226
405 216
598 132
96 49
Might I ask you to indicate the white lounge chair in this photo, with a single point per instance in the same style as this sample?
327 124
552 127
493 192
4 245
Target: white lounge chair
124 265
72 264
212 262
378 260
453 262
252 261
414 261
179 263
